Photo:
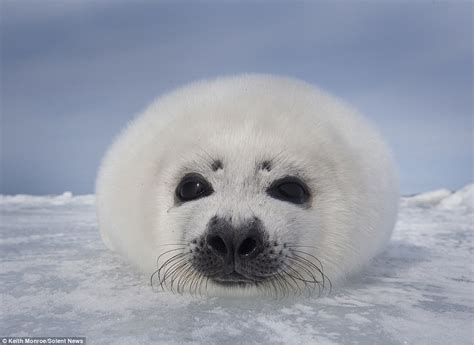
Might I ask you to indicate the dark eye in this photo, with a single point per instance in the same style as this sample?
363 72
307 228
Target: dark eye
193 186
290 189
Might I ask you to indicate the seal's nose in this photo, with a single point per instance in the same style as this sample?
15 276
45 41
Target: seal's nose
233 244
220 244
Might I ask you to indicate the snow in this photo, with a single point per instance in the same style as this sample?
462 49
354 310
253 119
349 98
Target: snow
57 279
443 198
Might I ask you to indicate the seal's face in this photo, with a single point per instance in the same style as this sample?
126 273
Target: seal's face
242 220
244 252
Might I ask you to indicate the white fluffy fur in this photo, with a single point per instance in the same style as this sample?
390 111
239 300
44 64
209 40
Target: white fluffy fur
243 120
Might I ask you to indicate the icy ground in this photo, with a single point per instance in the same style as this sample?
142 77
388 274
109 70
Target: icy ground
57 279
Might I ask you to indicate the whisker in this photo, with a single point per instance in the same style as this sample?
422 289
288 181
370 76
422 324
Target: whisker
295 279
186 277
169 271
169 261
152 277
301 272
281 284
303 266
173 244
312 256
306 268
177 275
321 270
168 251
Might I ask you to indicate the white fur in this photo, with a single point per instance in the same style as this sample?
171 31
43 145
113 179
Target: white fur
243 120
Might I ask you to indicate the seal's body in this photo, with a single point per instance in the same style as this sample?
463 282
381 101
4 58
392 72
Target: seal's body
248 184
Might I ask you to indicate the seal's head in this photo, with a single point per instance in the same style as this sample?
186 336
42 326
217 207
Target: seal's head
253 184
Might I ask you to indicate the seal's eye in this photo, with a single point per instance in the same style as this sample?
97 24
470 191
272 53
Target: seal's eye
193 186
290 189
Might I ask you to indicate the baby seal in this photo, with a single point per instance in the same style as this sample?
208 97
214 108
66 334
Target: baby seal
250 184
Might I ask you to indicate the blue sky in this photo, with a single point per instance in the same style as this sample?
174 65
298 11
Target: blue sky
74 72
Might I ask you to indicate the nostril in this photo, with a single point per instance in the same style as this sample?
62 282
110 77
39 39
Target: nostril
248 247
217 244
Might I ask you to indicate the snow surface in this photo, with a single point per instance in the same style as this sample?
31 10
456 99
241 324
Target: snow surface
58 279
